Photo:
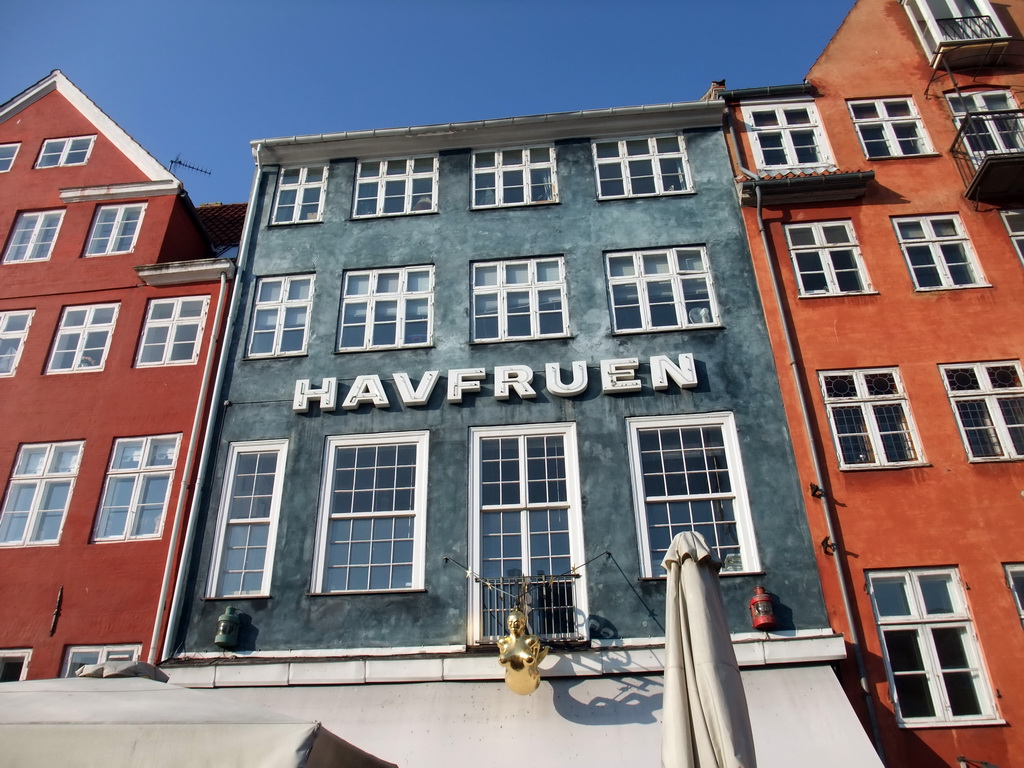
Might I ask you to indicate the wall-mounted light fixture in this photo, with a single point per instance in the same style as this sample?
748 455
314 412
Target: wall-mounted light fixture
227 628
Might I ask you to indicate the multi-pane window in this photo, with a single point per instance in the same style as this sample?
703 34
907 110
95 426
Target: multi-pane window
521 176
938 252
522 299
14 664
173 330
641 167
39 493
115 229
526 500
247 522
33 236
990 122
80 656
137 487
280 321
870 418
70 151
1014 221
372 507
396 187
1015 581
300 195
665 289
889 127
988 399
688 477
787 136
7 154
83 338
931 654
827 258
386 308
13 330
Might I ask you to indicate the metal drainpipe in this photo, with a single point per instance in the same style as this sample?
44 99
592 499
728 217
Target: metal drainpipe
186 472
818 475
211 419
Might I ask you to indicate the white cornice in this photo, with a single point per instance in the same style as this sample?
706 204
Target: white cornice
56 81
121 191
185 272
596 123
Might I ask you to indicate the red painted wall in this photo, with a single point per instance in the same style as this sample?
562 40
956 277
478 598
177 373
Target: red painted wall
110 589
950 512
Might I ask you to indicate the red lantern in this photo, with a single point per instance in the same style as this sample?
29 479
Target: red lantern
762 614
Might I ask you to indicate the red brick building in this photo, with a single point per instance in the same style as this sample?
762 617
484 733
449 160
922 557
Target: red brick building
883 198
109 299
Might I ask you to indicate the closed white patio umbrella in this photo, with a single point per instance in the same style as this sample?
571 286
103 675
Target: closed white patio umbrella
705 719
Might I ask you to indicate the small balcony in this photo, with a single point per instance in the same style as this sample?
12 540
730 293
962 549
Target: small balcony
550 602
964 40
989 153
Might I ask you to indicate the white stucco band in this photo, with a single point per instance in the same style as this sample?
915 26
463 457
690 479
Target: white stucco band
321 667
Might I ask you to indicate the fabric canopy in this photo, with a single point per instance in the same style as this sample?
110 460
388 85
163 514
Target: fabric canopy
127 722
705 721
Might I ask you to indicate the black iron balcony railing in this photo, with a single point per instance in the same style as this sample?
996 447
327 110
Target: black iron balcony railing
968 28
551 604
989 153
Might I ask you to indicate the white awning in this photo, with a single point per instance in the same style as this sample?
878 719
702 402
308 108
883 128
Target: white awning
131 722
800 718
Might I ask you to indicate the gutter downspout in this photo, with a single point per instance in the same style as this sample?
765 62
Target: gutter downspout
212 416
826 506
186 473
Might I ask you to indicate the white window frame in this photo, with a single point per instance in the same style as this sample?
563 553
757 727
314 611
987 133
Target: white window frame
786 132
16 337
104 654
82 335
1014 221
115 229
382 181
63 149
235 451
618 166
151 466
378 297
39 482
504 289
179 330
748 560
33 236
1015 583
868 403
828 241
16 655
306 194
572 503
936 247
509 165
281 308
922 623
971 385
8 156
889 125
642 272
415 511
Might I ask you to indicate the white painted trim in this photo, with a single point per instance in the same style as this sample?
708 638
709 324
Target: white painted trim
186 272
131 190
440 663
56 81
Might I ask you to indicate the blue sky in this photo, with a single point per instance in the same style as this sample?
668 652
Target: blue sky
202 78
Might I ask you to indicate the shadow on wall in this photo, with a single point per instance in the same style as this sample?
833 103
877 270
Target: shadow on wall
636 701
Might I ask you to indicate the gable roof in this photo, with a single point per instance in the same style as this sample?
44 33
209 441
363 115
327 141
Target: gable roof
56 81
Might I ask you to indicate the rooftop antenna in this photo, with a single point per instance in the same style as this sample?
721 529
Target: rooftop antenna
179 163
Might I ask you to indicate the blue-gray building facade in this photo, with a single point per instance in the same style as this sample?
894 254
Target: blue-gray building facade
484 364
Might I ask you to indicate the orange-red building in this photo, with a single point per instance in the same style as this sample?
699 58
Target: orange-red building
109 298
883 198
